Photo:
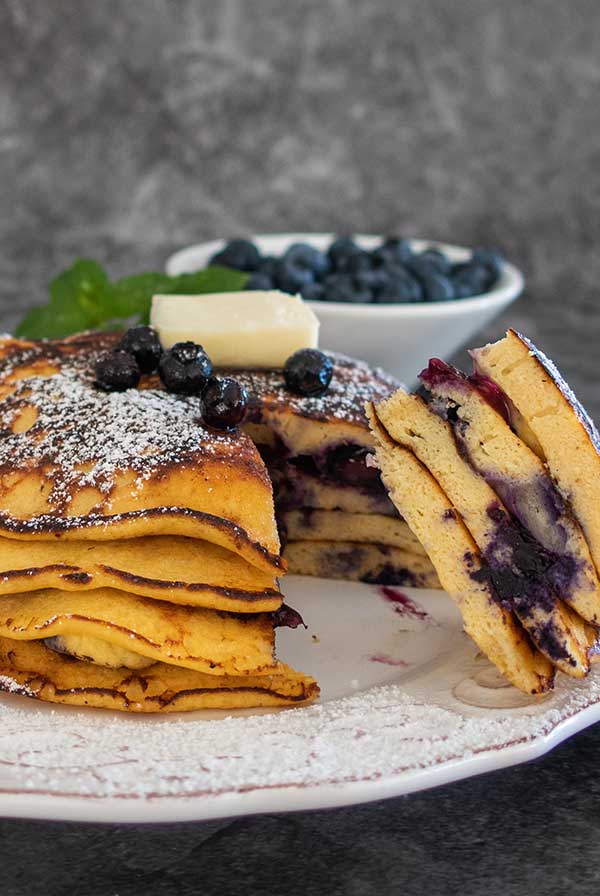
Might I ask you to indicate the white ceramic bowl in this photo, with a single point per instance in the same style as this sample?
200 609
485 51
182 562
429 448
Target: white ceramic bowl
399 337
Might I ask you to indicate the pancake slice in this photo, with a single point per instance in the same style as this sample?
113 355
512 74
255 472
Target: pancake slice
335 525
519 478
172 568
32 669
205 640
513 561
361 562
457 560
552 421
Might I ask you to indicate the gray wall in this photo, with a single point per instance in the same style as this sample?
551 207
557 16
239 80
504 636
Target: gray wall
130 128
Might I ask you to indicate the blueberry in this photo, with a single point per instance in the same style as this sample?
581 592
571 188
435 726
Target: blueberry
372 280
117 371
259 281
240 254
355 263
268 265
437 288
308 372
399 286
291 277
422 267
185 368
470 279
344 288
144 345
490 259
394 250
340 250
438 260
304 256
224 402
312 292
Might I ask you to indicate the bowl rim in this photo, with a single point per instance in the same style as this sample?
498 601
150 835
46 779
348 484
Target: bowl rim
507 289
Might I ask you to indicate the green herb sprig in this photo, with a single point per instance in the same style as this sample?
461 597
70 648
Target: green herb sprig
84 298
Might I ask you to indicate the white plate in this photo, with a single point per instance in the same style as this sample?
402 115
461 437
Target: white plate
406 704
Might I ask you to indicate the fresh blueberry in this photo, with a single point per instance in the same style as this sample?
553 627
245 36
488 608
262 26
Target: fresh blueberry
240 254
344 288
371 280
224 402
291 278
259 281
302 255
393 250
312 292
308 372
471 279
399 286
340 251
354 263
491 259
144 345
185 368
117 371
268 265
437 288
440 262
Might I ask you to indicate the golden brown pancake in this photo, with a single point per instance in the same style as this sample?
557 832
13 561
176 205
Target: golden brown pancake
191 637
172 568
31 669
361 562
551 420
81 463
430 514
553 627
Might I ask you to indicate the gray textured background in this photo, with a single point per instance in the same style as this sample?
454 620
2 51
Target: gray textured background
130 128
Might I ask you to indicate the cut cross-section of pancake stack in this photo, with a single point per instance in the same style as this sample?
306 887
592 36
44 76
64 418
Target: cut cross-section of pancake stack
498 476
335 518
139 553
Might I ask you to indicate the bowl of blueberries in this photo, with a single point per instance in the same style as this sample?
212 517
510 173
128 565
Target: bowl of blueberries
394 302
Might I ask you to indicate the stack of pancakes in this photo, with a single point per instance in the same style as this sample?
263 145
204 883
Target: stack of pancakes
138 550
335 518
498 475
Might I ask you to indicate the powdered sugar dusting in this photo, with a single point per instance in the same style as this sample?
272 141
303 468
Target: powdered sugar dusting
353 383
384 733
82 436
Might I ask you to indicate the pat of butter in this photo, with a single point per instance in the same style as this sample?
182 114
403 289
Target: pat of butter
238 329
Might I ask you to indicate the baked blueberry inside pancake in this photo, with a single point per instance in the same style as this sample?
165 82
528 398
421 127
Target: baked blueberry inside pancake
431 515
517 566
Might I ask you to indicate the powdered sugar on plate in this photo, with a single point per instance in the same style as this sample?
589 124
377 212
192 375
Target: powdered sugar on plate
382 733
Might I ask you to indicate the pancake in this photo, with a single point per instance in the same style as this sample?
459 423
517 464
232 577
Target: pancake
172 568
430 514
194 638
334 525
361 562
520 479
515 563
33 670
551 420
85 464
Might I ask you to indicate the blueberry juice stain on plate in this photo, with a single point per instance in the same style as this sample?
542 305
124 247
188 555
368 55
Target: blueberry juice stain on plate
404 605
410 610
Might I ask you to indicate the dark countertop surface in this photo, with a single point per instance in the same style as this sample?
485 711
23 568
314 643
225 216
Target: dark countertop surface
130 129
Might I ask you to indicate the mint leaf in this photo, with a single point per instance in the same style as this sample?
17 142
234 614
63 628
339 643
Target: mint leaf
83 298
51 323
82 290
132 295
212 279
